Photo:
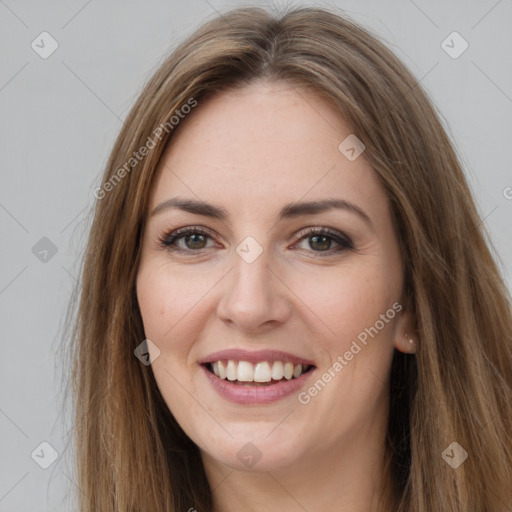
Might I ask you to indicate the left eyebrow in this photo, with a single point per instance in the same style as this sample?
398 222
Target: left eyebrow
290 210
315 207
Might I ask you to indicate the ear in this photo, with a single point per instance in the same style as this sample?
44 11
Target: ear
406 339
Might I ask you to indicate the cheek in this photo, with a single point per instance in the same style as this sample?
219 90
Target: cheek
170 305
168 300
345 300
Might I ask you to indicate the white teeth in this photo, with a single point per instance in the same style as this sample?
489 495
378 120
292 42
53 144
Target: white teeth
277 370
288 371
222 370
245 372
263 371
231 370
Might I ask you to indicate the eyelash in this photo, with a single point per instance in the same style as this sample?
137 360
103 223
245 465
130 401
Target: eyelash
168 240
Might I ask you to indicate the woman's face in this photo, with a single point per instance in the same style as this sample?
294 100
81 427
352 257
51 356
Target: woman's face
286 256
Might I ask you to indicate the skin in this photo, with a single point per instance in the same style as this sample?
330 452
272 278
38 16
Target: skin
251 152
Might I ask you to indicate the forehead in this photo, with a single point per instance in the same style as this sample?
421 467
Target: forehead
261 146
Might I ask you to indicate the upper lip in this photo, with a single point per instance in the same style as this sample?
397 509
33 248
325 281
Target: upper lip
257 356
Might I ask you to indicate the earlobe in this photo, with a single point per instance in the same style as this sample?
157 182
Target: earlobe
406 343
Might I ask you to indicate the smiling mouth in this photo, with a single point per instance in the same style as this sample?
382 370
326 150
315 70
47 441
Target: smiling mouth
263 373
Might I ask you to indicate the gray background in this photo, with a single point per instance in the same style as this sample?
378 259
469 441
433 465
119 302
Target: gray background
60 115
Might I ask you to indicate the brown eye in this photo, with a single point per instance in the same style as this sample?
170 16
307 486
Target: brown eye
321 240
195 241
186 240
321 243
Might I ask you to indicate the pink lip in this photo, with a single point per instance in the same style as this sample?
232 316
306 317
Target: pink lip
247 395
255 357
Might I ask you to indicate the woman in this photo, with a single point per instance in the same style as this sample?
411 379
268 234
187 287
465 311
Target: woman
290 300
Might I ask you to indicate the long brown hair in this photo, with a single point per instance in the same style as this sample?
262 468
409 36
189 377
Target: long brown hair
130 452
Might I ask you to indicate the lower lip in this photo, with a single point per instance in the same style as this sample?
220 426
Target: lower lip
255 394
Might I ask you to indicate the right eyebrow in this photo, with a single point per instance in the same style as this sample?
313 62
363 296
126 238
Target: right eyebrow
192 206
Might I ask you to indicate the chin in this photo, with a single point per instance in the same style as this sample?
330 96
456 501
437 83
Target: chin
256 455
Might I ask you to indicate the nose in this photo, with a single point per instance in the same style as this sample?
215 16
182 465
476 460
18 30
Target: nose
254 298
